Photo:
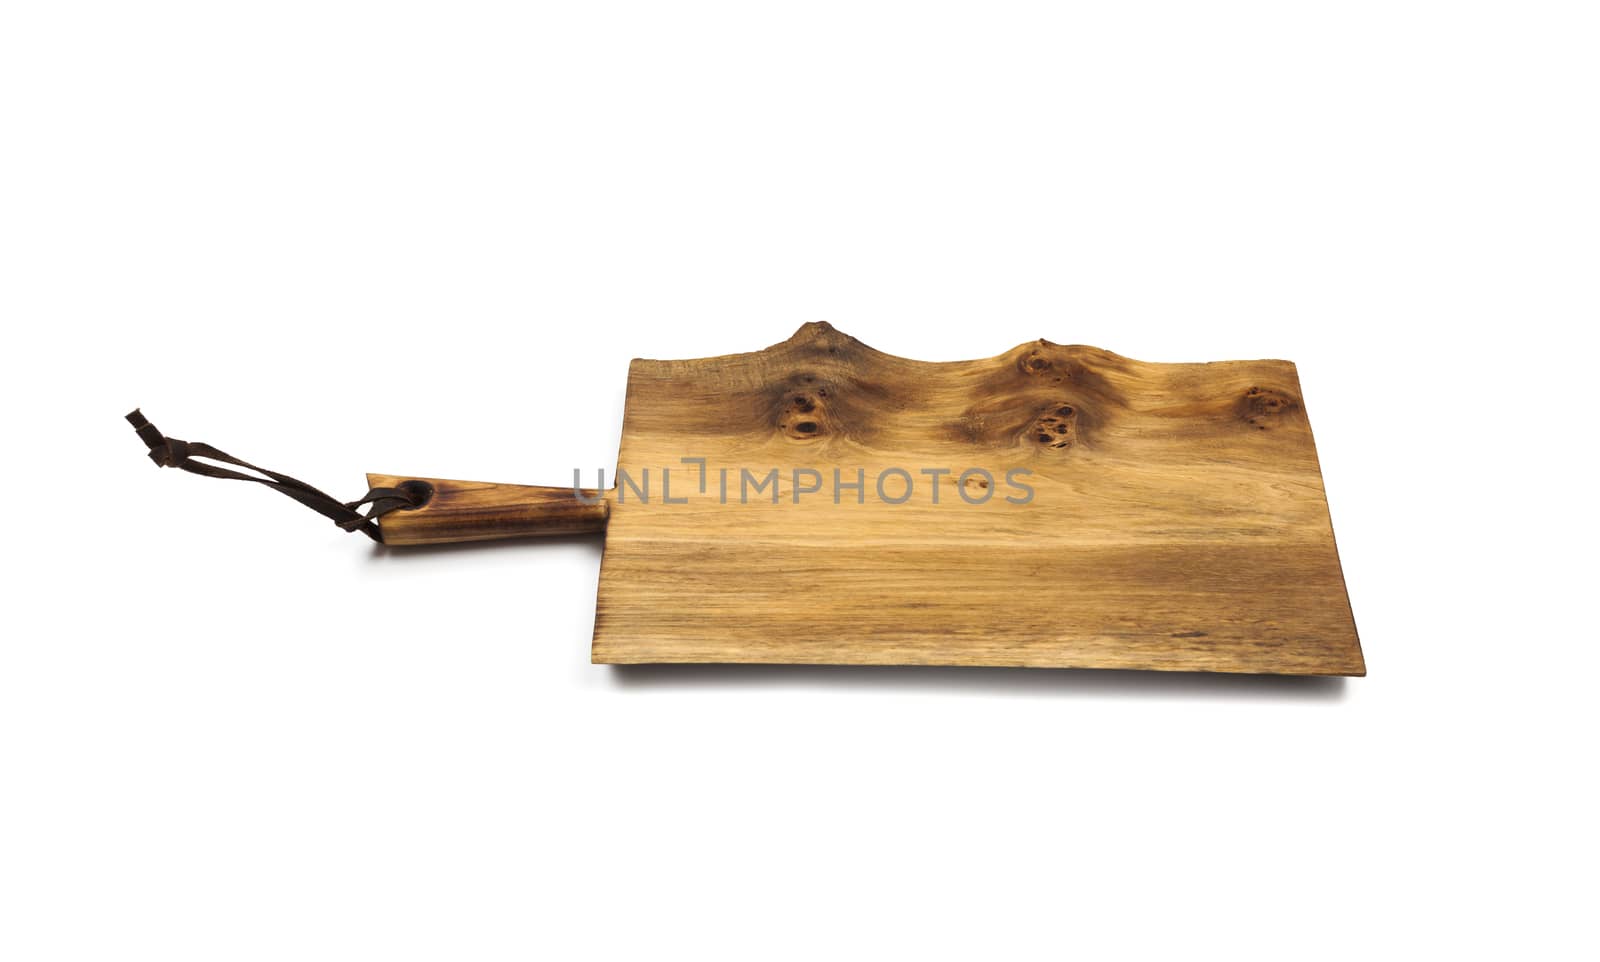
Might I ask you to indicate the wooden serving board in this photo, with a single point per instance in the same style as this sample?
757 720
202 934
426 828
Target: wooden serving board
1176 520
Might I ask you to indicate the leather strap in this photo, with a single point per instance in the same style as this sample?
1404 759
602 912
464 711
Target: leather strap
172 453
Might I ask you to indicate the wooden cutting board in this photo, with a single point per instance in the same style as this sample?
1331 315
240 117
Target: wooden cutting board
1054 506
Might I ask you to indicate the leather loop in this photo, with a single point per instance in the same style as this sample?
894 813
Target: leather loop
173 453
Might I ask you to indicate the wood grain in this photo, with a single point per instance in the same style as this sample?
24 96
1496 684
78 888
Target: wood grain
480 511
1178 519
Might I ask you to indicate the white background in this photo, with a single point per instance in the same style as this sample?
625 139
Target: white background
426 239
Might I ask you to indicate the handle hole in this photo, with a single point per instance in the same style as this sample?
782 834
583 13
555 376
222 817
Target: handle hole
420 493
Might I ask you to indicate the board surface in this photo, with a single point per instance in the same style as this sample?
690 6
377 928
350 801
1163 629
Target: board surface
1176 520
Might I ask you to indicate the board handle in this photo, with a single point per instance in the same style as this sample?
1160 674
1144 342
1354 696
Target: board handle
455 511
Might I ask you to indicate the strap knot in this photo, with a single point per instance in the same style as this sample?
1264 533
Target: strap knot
171 453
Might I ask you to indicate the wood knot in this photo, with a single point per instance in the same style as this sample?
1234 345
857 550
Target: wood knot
1035 362
1261 406
1051 363
803 412
1056 427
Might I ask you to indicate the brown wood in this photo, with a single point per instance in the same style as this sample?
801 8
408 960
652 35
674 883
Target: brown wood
479 511
1178 518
